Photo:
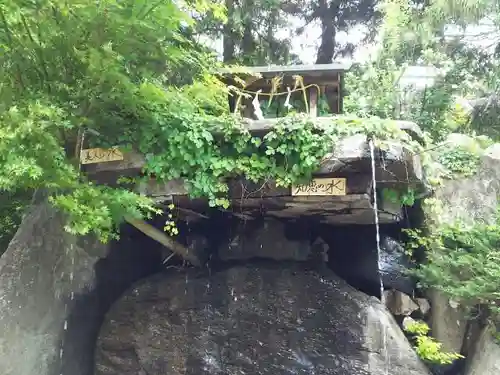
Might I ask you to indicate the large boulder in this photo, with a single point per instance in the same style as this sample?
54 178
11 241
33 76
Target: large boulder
55 289
42 269
485 356
474 198
448 321
261 318
469 200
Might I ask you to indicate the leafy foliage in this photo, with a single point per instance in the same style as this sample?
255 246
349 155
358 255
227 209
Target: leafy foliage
77 69
459 162
406 198
427 348
12 207
463 262
287 154
71 67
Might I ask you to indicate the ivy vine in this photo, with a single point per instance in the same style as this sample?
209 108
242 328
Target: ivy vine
406 197
459 162
208 153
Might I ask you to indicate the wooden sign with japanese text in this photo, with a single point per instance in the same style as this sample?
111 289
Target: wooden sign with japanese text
321 186
100 155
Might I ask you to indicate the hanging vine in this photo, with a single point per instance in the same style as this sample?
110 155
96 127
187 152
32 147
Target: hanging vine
206 152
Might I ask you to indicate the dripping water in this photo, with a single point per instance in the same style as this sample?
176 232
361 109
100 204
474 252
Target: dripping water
70 252
377 240
377 225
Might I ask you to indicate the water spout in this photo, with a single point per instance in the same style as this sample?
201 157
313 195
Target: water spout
377 240
377 225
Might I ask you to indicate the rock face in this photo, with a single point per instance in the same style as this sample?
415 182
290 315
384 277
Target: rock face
448 322
399 304
484 359
269 240
474 198
55 289
353 155
354 258
253 319
469 200
35 275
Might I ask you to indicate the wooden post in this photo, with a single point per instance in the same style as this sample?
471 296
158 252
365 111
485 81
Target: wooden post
313 101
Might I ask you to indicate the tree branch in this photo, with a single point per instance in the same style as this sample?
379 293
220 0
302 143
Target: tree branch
166 241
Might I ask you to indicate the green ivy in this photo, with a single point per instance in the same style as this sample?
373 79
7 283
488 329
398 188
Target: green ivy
12 207
208 150
459 162
406 197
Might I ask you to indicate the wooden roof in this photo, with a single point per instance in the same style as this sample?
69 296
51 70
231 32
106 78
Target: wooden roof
304 70
259 77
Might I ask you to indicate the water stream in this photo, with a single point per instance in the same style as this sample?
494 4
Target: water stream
377 240
377 225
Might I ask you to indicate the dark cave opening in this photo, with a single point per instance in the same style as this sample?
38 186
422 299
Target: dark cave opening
125 264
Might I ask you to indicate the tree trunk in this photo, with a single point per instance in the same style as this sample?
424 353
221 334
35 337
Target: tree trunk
247 43
228 34
326 49
272 45
165 240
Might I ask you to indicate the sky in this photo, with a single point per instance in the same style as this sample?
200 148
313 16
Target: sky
484 35
306 45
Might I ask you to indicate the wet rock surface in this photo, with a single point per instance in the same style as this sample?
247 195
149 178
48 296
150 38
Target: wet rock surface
269 239
394 264
247 243
354 258
55 290
259 318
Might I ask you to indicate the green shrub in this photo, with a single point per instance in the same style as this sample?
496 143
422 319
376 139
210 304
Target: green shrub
427 348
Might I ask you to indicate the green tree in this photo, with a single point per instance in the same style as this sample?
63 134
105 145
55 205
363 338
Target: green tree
12 208
128 74
70 67
250 32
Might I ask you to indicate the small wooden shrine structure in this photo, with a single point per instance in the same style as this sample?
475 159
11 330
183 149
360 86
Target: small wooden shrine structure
310 82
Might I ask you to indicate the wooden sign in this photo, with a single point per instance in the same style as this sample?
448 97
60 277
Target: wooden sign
321 186
100 155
